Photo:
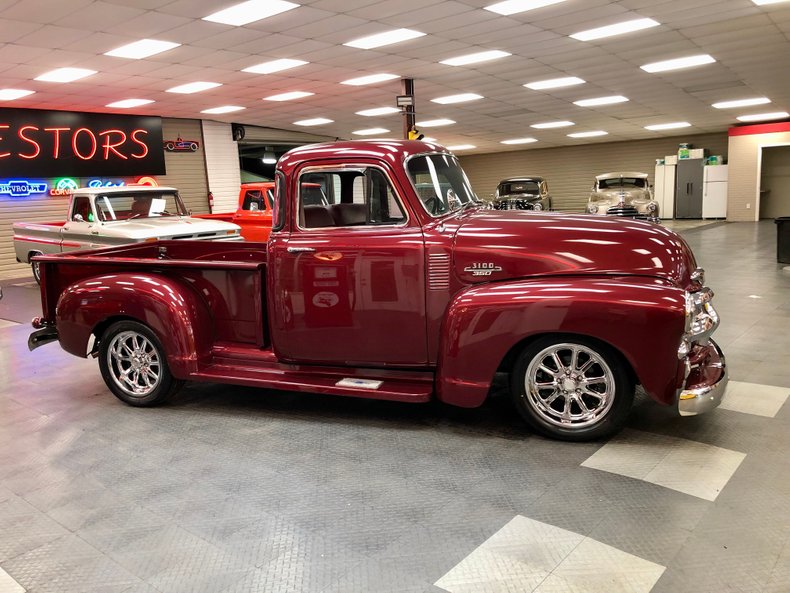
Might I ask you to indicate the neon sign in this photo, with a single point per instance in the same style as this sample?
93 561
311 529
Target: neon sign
150 181
44 144
20 188
64 187
99 183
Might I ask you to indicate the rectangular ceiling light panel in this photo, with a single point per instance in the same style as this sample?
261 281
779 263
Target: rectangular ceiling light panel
129 103
742 103
679 63
601 101
316 121
669 126
476 58
386 38
141 49
554 83
433 123
289 96
460 98
520 141
616 29
378 111
274 66
193 87
592 134
370 131
509 7
552 124
764 116
65 75
369 79
223 109
249 12
13 94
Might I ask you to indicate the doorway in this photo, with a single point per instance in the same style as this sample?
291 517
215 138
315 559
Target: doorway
775 182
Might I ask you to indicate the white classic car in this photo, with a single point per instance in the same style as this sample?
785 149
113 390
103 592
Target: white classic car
623 194
104 216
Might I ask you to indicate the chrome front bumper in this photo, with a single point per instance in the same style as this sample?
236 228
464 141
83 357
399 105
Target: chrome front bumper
706 380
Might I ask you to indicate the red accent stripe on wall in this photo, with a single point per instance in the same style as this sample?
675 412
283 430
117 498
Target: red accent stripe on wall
782 126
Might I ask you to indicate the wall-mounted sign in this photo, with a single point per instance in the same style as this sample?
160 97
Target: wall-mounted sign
102 183
20 188
181 145
54 143
150 181
64 187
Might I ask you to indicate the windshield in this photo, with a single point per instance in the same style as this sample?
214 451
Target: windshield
519 187
622 182
129 205
441 183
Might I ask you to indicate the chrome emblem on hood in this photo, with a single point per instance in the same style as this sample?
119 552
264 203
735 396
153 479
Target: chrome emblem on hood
482 269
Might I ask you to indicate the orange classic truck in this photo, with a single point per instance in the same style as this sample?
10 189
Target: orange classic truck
254 214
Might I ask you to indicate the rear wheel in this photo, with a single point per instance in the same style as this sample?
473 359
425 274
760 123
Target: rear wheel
572 388
35 267
133 365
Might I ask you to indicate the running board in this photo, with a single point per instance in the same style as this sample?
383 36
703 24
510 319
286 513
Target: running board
402 386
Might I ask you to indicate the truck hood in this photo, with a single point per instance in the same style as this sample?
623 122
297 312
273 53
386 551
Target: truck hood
168 227
497 245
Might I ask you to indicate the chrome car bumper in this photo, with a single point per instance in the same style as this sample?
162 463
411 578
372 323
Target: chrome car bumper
706 380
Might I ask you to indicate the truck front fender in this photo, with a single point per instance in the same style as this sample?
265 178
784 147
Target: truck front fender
642 318
174 312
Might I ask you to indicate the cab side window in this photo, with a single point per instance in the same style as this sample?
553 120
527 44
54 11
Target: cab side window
82 208
253 201
348 198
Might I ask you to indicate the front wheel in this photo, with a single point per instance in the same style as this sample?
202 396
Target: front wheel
36 268
572 388
133 365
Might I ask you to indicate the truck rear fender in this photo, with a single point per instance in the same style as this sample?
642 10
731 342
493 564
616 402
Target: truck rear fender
173 310
487 325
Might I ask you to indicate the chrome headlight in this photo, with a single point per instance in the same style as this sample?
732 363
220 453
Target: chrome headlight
592 208
701 320
652 207
537 206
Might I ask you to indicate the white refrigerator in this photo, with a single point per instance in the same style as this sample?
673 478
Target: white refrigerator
664 190
714 194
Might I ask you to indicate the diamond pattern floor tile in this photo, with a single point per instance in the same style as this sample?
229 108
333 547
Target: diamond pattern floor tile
531 556
753 398
694 468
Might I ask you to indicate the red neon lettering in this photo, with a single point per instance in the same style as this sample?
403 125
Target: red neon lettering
141 143
36 145
112 147
57 138
74 144
4 154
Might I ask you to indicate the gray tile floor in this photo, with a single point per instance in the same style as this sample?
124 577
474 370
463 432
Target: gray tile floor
234 490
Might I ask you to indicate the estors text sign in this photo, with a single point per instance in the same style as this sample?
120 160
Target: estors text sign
36 143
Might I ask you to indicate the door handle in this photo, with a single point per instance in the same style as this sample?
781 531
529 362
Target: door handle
301 250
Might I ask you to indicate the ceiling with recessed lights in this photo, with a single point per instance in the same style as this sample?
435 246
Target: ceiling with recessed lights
320 63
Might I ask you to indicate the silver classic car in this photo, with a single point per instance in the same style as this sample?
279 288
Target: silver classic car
623 194
529 192
105 216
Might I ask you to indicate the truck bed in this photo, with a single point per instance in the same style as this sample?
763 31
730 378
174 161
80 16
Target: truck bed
225 275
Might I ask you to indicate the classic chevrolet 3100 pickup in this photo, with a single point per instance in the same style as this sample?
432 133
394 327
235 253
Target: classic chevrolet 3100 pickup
383 291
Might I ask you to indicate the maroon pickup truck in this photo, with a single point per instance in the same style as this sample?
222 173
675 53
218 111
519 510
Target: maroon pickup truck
394 282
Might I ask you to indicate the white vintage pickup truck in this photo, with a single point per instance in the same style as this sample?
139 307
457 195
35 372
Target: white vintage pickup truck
105 216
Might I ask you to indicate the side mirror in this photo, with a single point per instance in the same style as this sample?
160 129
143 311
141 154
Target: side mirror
78 218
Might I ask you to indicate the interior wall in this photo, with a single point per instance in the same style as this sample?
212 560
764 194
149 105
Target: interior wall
570 170
743 202
186 171
775 176
222 165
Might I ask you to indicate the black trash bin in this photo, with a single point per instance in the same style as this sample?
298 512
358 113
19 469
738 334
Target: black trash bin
783 239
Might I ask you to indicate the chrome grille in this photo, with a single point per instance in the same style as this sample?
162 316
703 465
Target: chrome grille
438 271
513 205
624 210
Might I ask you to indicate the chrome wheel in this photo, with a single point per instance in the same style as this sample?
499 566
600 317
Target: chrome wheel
36 267
569 386
134 364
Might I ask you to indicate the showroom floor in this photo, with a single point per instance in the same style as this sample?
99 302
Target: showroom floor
233 490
